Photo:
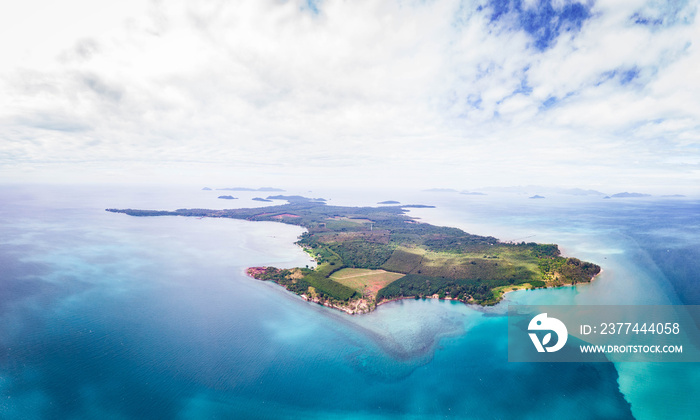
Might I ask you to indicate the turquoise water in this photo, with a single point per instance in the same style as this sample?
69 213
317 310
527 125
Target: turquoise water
110 316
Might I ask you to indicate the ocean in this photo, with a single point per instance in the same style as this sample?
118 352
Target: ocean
115 317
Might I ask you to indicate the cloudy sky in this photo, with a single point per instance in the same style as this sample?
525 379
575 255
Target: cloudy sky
434 93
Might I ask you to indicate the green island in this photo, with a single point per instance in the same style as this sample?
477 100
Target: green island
367 256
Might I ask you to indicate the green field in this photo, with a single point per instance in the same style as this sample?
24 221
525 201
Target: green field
500 263
365 281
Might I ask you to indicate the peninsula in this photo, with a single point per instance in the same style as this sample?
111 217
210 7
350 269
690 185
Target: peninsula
371 255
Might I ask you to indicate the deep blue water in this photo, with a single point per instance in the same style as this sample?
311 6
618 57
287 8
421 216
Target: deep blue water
109 316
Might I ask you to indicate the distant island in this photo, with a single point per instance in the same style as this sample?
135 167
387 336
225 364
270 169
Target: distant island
629 195
227 197
388 202
263 189
371 255
296 198
536 196
265 200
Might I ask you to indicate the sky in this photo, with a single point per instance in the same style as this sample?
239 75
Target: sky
456 94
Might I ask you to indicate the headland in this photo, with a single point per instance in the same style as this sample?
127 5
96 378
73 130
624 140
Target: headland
367 256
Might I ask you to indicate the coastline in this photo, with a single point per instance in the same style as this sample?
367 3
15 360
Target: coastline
354 307
420 298
367 307
505 292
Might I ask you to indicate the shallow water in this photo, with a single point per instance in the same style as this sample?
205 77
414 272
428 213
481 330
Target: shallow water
110 316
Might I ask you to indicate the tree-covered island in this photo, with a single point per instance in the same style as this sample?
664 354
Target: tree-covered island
370 255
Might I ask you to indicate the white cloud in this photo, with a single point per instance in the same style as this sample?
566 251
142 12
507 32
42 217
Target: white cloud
361 88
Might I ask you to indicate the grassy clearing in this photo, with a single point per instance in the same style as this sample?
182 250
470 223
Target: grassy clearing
404 260
499 263
367 282
348 219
